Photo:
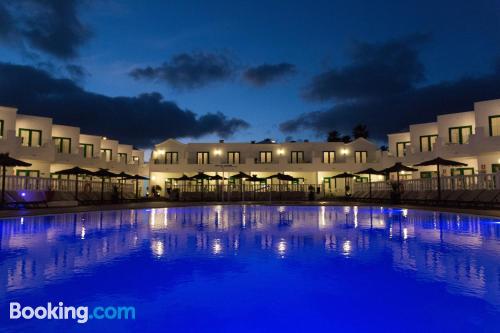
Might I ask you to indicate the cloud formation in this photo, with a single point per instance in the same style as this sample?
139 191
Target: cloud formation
50 26
141 120
266 73
188 70
375 69
389 98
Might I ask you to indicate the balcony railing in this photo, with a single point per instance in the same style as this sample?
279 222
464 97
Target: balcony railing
480 181
160 161
18 183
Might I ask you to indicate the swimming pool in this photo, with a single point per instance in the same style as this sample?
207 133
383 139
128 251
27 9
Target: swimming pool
257 269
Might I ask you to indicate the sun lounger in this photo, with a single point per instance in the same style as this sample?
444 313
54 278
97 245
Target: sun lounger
29 199
488 198
469 197
451 197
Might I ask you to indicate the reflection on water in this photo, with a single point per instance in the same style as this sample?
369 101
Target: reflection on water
461 251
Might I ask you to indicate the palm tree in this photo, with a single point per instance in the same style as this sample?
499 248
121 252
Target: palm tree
346 139
360 131
334 136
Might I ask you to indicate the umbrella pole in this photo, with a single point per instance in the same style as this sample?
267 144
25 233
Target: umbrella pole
3 185
76 188
439 183
399 188
121 188
102 189
346 183
370 184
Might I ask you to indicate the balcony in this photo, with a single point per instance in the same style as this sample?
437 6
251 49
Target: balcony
305 161
161 161
44 152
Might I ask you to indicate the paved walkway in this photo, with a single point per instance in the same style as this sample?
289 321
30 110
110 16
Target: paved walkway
162 204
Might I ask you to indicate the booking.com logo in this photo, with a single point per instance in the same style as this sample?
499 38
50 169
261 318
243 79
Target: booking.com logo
81 314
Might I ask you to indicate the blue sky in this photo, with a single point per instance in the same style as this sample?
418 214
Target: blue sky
462 39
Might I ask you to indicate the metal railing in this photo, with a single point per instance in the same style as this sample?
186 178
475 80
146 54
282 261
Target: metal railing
17 183
480 181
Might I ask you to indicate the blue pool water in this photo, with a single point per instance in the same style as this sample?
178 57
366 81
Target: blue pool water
257 269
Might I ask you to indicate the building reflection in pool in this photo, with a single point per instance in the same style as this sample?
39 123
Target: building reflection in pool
462 251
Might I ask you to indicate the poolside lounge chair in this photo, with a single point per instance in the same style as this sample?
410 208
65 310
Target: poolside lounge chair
469 197
33 199
488 198
449 197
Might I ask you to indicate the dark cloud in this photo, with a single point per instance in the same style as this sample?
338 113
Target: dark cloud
396 112
76 72
50 26
387 68
141 120
389 100
263 74
189 70
5 22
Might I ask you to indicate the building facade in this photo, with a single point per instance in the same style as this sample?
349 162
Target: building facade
471 137
51 147
309 162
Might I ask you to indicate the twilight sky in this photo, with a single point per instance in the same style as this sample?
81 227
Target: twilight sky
143 71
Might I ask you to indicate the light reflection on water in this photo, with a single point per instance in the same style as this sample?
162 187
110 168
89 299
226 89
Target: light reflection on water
178 248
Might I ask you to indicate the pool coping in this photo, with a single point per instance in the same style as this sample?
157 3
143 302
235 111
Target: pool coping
167 204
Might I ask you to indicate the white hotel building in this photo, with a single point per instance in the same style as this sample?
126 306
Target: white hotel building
51 147
471 137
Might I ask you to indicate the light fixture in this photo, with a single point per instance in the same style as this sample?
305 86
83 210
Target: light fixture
104 138
281 151
345 151
217 152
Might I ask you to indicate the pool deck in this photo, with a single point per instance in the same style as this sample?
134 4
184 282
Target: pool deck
165 204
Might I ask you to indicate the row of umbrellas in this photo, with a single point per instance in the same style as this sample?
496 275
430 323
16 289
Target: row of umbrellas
7 161
240 175
103 174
